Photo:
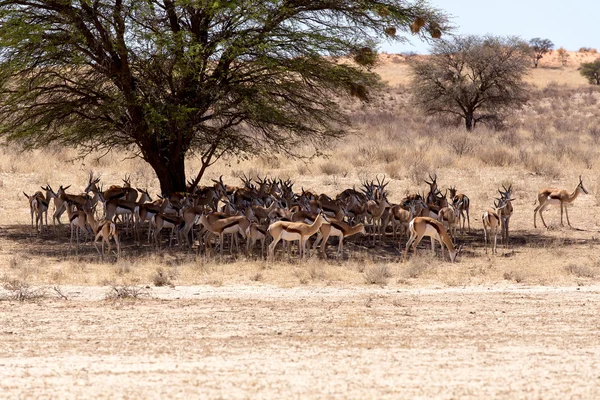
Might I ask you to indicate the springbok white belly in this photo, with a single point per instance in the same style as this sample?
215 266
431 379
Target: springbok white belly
553 202
289 236
122 211
335 232
168 224
432 232
232 229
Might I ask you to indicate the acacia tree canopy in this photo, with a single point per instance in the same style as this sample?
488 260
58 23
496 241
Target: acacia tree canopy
475 78
165 78
591 71
539 47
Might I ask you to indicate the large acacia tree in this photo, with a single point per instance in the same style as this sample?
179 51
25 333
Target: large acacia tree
475 78
165 78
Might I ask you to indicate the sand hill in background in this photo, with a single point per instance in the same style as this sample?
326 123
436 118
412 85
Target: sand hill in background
394 69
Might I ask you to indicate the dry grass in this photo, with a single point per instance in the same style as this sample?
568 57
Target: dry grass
550 142
126 293
347 326
161 278
18 290
378 274
581 271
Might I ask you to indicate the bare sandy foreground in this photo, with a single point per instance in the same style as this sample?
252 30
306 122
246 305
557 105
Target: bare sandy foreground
305 342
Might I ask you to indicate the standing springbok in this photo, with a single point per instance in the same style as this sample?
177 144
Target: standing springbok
341 230
463 200
376 210
553 196
167 221
433 189
38 205
492 221
255 233
450 215
235 224
426 226
505 211
402 217
104 229
78 222
291 231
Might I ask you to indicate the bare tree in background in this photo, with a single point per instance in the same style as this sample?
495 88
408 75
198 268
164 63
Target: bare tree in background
475 78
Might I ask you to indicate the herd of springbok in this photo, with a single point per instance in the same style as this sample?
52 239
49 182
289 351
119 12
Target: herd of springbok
265 208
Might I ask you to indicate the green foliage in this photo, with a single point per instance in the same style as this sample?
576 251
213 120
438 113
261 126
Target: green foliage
210 77
475 78
591 71
539 47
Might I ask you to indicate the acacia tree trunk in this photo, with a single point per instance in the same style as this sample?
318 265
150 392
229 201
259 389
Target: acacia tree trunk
170 171
469 121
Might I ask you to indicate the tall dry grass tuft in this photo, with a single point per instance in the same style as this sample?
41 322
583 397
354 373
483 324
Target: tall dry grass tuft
377 274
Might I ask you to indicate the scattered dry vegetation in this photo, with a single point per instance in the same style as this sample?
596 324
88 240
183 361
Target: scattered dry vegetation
357 329
22 291
378 274
551 141
126 292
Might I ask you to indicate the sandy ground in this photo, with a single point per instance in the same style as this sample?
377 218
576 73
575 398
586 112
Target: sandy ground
502 341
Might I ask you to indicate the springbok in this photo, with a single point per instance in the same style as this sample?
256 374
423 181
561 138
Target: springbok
463 200
339 229
553 196
402 217
78 221
290 231
167 221
255 233
433 189
491 220
235 224
450 215
505 212
38 205
376 210
426 226
104 229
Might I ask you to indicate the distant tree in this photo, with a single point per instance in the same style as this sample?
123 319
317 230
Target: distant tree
167 79
539 47
476 78
591 71
563 56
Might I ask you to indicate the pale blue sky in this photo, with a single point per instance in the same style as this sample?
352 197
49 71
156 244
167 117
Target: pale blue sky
570 24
